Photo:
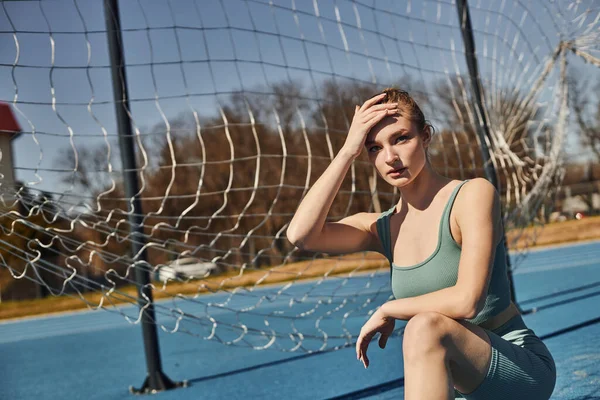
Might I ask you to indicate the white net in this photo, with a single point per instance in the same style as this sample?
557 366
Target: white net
237 107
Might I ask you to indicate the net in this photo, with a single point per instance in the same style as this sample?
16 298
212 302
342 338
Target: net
237 107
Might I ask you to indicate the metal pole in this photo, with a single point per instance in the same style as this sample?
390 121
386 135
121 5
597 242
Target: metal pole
482 128
156 380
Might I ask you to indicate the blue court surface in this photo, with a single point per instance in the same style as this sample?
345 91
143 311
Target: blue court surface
98 355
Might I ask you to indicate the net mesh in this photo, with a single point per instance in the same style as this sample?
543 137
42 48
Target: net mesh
237 107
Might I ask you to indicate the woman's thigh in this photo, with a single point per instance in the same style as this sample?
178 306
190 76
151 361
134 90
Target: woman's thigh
509 362
467 347
521 366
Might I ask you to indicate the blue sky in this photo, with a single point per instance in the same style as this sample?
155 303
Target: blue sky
183 52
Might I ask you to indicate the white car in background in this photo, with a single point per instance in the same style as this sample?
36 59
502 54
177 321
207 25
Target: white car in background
186 268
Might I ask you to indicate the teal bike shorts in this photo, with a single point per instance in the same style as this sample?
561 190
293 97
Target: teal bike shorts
521 366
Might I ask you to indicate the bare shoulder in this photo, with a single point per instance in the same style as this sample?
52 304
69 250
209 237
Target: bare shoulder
477 202
478 189
370 219
476 194
367 222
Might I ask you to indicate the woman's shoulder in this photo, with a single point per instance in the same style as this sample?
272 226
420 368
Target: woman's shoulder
372 222
478 203
476 196
369 220
366 219
476 189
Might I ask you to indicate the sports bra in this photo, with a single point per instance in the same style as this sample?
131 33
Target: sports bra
440 269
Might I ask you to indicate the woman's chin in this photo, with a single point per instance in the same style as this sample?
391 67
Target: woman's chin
398 182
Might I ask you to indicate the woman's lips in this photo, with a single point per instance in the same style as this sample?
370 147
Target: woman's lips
397 171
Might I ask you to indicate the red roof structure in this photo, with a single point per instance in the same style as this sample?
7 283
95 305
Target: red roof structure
8 123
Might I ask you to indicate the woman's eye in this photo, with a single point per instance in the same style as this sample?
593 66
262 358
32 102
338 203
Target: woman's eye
402 138
373 149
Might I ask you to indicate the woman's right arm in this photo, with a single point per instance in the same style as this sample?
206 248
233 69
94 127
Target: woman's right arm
308 229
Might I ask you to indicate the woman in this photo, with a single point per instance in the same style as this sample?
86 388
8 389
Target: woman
444 240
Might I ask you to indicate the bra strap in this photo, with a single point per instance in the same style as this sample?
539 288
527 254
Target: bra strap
445 222
383 223
383 230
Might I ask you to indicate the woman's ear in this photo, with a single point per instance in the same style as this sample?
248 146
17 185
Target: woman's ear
427 134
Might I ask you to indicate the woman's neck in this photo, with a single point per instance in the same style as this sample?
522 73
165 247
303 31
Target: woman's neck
418 194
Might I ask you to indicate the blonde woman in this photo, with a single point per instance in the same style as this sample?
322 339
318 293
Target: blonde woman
444 242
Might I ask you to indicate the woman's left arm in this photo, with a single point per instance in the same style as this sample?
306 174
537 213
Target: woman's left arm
479 218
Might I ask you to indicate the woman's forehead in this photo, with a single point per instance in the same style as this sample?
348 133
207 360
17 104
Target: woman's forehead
388 126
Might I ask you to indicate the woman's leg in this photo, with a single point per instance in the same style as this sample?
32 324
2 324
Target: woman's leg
441 353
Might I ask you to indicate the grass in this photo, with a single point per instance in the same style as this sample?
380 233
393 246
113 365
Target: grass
551 234
572 231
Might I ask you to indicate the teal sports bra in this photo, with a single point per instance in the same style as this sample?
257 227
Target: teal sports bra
440 270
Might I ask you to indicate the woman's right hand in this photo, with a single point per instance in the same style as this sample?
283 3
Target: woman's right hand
365 118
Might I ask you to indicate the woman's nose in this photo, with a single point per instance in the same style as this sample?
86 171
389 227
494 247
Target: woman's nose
391 157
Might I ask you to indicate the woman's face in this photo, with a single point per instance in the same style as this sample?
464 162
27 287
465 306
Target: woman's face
397 149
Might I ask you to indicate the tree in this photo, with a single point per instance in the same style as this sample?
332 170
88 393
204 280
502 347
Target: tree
90 166
585 112
219 186
29 249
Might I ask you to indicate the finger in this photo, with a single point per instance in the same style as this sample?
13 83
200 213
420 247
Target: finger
359 345
369 113
362 360
384 106
378 107
387 110
372 101
363 352
365 359
378 117
383 341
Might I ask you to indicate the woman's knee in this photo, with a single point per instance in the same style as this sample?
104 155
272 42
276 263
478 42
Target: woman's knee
425 332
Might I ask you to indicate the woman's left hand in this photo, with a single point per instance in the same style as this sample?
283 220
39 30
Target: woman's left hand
377 323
